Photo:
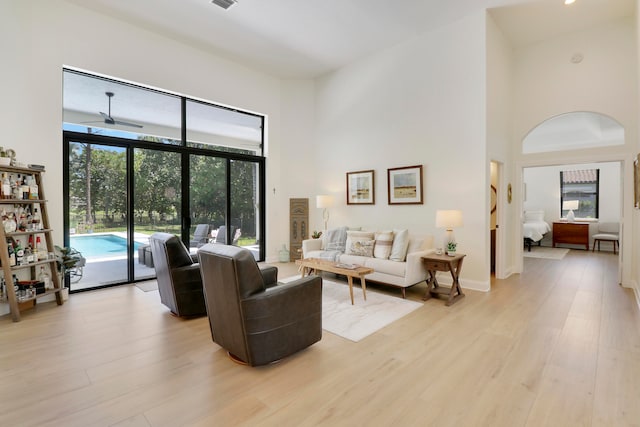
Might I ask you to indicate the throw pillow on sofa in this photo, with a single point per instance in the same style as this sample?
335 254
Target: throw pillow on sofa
361 248
360 243
400 245
354 236
384 242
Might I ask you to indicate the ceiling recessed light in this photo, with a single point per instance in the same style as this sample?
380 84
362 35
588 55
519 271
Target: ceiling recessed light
569 1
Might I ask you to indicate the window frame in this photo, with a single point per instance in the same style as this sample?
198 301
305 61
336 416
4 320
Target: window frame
563 192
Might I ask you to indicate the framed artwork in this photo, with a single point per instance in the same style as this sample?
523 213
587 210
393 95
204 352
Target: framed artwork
404 185
360 188
636 182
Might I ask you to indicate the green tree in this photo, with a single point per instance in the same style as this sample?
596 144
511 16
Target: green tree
157 184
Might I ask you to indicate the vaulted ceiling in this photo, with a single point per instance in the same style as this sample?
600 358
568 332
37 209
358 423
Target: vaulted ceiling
306 38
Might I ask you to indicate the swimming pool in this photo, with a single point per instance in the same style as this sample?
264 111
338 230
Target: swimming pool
101 245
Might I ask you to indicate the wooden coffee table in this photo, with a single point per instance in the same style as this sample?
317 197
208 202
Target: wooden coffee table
316 265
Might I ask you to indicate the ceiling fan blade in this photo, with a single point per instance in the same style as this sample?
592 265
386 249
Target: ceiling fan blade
118 122
111 121
107 118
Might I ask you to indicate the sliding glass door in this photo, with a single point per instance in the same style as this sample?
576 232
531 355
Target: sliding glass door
97 212
157 202
245 205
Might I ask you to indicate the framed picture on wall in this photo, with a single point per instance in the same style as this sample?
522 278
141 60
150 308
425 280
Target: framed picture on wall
404 185
360 188
636 182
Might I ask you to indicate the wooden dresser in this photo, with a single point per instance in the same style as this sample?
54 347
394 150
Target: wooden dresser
572 233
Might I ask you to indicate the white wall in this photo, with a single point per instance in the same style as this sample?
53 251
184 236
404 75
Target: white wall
39 38
499 145
421 102
547 83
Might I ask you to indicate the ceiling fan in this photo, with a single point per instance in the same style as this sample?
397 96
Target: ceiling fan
110 120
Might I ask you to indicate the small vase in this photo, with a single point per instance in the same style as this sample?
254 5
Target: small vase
451 253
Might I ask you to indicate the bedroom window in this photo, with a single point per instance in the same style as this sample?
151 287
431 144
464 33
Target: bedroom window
581 186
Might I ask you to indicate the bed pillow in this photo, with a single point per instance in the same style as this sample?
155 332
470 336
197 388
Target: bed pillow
384 242
533 216
400 245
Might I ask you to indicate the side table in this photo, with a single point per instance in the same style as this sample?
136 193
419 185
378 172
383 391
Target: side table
452 264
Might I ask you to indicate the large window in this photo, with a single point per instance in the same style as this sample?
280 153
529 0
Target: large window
579 192
140 161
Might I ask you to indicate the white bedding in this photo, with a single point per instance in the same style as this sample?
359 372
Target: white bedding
535 230
534 226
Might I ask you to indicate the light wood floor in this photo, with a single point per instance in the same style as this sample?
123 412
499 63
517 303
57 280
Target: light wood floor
558 345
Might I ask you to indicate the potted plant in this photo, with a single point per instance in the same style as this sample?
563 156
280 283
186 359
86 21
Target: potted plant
316 234
451 248
70 263
7 156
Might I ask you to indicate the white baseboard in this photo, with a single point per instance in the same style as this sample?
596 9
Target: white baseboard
444 278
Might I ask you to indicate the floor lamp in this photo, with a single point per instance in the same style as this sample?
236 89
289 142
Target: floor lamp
324 202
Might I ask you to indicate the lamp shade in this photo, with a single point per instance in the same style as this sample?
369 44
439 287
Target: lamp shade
448 219
324 201
570 205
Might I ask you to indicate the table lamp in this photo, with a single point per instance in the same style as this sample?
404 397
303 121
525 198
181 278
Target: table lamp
449 219
570 205
324 202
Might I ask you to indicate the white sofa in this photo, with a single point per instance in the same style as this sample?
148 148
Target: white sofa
401 272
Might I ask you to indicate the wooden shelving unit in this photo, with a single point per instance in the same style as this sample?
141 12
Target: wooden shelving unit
45 231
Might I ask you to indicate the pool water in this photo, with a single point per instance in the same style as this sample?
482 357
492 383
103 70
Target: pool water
101 245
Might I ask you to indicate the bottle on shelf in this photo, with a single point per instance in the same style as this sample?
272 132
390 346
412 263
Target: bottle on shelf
36 220
24 188
22 220
15 187
28 255
19 253
33 189
12 254
42 252
6 187
10 224
45 278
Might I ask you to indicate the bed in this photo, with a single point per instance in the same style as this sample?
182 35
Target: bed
534 228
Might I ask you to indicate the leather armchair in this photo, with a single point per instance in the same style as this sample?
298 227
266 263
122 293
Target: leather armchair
254 318
178 275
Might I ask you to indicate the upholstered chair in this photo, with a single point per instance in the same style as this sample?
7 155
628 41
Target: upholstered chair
254 318
200 236
607 232
178 275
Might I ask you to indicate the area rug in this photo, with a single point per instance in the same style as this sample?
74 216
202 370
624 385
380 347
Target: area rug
148 286
363 318
545 252
353 322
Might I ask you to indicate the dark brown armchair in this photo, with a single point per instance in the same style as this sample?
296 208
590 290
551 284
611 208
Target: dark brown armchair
254 318
178 275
